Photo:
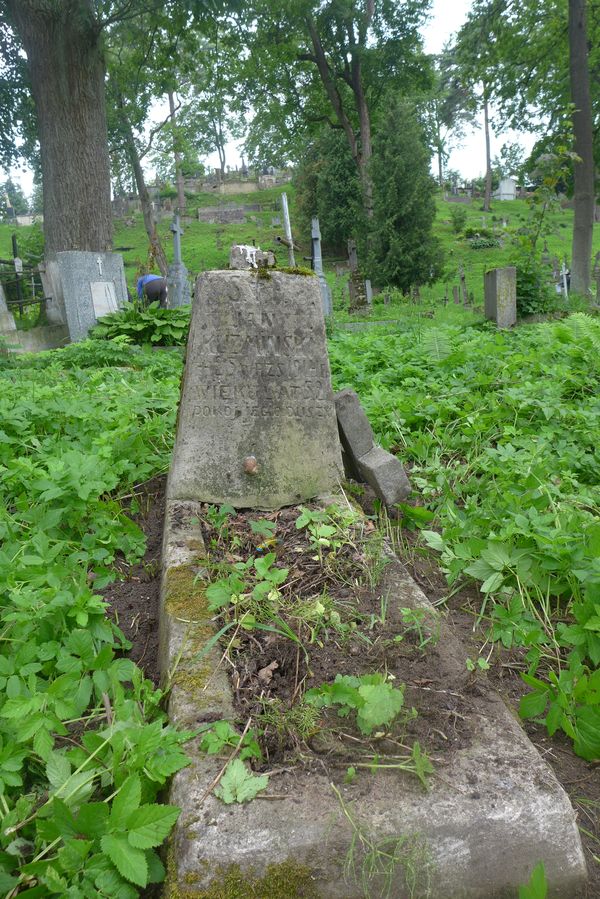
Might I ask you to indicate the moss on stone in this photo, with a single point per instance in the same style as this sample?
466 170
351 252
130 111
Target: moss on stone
286 880
184 597
297 270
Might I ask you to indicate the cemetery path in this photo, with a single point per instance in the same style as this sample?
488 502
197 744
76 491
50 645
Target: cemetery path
134 606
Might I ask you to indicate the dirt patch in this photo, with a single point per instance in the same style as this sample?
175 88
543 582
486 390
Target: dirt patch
134 600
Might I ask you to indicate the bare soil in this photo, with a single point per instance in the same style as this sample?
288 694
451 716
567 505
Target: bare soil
269 671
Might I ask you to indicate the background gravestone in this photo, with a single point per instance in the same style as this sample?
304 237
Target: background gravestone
7 319
177 277
84 286
500 286
257 425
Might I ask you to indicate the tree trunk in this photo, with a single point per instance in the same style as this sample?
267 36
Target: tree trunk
149 223
177 156
487 201
440 167
66 67
366 145
584 192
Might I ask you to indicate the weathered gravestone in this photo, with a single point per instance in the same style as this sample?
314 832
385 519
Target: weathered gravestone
177 277
245 257
364 460
500 286
83 286
257 425
7 319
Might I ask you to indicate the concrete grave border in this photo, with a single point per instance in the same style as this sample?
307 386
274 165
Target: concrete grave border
494 812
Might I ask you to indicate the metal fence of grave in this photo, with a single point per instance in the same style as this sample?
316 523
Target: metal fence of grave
21 282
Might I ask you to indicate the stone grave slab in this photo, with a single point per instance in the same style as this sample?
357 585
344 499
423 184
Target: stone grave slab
493 811
500 285
7 319
256 426
84 286
363 459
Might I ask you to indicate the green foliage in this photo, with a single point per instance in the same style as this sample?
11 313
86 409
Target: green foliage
327 186
500 434
483 243
534 294
402 249
537 887
239 784
153 325
376 702
84 745
458 217
222 735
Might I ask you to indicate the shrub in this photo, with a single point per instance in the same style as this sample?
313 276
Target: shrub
534 294
160 327
483 243
458 215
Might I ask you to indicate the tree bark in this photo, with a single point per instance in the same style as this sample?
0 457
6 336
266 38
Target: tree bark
487 200
177 156
142 191
584 172
66 67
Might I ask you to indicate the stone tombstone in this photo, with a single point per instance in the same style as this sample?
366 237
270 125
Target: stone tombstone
246 257
178 285
7 319
352 256
83 286
500 285
257 425
369 292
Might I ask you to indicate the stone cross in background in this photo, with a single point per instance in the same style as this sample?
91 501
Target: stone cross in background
500 285
317 262
177 277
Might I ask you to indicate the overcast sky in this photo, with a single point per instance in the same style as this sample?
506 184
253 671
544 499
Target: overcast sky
447 16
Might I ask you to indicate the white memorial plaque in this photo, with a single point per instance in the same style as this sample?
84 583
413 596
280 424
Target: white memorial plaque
104 297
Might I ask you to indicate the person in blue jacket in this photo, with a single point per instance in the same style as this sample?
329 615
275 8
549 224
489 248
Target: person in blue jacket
153 287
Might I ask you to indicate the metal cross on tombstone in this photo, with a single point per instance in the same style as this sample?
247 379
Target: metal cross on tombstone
317 261
177 230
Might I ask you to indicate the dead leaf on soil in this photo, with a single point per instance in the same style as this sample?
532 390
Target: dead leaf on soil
266 674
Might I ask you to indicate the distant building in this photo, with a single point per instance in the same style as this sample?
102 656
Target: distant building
507 190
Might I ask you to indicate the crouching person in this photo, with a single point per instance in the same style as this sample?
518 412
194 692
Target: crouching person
152 288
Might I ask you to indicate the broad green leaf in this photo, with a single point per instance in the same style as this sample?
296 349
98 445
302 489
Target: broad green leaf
125 802
239 784
130 862
149 825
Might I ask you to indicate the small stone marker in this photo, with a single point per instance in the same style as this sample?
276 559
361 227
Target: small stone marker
7 319
256 426
500 285
246 257
83 287
380 469
317 261
352 256
369 292
177 277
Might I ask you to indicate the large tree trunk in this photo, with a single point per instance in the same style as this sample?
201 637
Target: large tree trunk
366 145
177 156
66 67
487 200
584 193
142 191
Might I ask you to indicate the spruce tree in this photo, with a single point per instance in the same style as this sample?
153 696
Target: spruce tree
401 249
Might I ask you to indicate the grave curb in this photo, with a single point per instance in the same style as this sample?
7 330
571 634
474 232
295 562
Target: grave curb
490 816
